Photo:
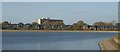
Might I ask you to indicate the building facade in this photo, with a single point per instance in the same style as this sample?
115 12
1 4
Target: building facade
47 19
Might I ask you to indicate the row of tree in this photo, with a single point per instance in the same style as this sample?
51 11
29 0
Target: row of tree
19 26
28 26
33 26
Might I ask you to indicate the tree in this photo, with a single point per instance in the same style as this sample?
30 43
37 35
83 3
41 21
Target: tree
102 24
20 25
99 23
34 23
117 24
27 26
5 25
34 26
0 26
79 25
109 24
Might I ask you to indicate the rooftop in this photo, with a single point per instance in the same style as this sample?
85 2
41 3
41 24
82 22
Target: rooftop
51 18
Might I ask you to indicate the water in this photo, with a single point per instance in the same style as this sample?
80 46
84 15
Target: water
53 40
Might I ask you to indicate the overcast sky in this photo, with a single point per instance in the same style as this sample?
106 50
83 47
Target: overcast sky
70 12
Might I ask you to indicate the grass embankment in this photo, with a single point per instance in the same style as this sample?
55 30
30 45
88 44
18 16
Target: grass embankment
110 45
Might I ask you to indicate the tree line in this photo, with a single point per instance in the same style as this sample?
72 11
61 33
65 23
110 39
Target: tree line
34 26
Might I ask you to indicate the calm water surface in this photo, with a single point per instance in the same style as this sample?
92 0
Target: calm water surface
53 40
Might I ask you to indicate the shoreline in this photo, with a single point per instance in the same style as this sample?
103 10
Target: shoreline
100 45
54 31
108 44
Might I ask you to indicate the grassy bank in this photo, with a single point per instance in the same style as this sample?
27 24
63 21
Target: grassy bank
109 44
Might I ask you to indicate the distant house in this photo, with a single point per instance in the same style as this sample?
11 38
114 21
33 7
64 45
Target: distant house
13 26
59 27
89 27
40 27
85 27
103 27
107 27
55 27
68 27
27 25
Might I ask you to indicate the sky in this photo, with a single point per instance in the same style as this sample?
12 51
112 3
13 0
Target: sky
60 0
0 12
70 12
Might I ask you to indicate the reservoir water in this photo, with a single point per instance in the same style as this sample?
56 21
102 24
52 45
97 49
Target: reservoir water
53 40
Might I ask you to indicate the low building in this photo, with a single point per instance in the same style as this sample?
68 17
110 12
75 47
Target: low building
47 19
